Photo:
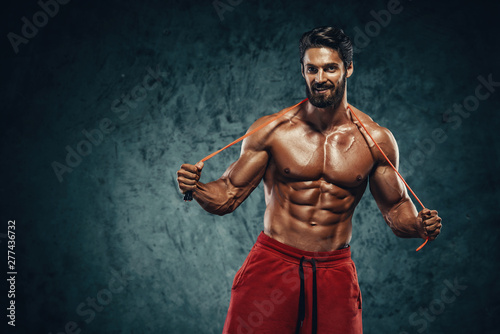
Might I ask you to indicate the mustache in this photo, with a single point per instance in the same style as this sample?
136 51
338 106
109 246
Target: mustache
322 86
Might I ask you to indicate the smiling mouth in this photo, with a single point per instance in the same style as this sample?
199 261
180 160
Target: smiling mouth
322 90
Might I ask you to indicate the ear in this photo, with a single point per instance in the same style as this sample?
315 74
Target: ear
302 70
350 69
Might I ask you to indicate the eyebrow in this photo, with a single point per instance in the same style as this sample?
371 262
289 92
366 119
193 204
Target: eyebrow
326 65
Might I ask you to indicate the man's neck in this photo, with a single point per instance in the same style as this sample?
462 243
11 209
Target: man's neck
325 119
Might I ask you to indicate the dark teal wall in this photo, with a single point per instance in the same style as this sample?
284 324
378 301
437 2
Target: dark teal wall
118 213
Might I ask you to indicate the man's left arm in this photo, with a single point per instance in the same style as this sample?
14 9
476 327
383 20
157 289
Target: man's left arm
392 197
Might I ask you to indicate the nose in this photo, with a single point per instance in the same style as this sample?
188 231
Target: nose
320 77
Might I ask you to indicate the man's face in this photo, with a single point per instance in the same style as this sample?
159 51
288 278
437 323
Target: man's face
325 76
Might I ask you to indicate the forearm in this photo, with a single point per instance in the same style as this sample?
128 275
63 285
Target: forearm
403 220
233 187
217 197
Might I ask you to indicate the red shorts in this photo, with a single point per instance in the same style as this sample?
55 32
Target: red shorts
277 285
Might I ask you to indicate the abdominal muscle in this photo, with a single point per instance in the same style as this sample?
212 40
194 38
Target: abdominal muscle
312 215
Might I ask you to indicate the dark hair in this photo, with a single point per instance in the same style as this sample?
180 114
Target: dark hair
329 37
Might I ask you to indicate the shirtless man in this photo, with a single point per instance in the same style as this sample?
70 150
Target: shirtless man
316 162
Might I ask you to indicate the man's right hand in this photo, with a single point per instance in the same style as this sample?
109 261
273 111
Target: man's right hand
188 176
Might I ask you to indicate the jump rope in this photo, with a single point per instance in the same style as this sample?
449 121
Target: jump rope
188 196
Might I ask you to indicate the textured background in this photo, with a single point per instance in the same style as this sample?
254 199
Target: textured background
119 210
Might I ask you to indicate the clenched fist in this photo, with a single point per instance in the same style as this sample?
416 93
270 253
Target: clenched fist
431 223
188 176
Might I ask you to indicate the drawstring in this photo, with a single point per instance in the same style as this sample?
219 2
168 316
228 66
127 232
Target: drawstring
302 298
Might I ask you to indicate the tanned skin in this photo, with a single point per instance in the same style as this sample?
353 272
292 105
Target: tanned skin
316 164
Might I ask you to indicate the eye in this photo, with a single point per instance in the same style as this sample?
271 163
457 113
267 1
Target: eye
311 70
332 68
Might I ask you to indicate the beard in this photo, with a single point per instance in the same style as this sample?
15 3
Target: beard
332 98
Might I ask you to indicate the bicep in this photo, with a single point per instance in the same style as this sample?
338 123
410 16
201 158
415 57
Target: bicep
245 174
385 185
248 170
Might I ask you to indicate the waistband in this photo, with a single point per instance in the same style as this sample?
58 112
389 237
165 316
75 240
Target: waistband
294 254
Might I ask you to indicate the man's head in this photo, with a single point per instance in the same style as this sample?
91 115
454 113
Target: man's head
326 62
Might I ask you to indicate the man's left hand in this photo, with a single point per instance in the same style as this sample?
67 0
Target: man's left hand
431 223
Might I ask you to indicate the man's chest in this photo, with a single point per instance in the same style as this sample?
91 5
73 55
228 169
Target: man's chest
339 157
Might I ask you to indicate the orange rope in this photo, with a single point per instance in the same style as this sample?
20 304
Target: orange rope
188 196
290 108
390 163
253 131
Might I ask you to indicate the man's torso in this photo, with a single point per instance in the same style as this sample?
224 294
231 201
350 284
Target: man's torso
313 182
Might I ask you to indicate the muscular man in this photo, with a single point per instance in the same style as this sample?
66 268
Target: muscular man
316 162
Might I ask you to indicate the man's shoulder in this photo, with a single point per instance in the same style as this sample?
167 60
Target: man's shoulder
262 130
382 135
266 125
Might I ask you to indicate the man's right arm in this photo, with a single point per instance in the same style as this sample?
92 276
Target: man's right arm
240 179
